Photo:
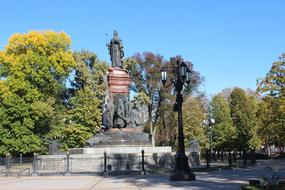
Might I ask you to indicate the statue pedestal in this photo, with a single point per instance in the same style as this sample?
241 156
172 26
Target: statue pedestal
120 137
118 149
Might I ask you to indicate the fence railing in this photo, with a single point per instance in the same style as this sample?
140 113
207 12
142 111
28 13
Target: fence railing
82 164
15 166
112 164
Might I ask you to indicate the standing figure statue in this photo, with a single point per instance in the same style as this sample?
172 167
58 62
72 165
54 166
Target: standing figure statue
116 51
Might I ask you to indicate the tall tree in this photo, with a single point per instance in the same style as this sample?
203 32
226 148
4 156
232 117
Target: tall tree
33 70
193 116
143 69
145 72
274 82
166 126
272 107
243 117
223 130
84 113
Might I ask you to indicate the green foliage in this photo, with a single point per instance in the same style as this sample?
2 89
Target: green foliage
274 82
193 115
166 126
33 68
75 136
84 114
271 127
145 82
223 130
243 117
271 112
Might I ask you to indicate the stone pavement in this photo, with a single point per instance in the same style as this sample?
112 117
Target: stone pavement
230 179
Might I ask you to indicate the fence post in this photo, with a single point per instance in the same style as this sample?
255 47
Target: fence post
67 164
143 169
7 164
208 158
230 159
34 173
21 160
105 162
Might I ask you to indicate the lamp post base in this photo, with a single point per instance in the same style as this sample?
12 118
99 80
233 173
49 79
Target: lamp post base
183 176
182 171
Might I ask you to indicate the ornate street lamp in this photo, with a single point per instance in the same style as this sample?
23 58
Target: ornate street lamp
182 170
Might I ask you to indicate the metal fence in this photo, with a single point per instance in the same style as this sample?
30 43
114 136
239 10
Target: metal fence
113 164
83 164
15 166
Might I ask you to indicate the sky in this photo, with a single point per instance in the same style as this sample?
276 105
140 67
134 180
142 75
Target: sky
230 42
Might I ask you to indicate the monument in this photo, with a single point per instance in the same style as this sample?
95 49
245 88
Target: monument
122 121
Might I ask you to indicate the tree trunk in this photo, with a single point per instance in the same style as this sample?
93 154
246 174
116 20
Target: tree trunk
222 156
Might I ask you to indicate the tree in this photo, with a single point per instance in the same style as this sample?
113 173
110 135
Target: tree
166 126
270 128
272 108
193 116
143 70
243 117
274 82
223 130
84 104
33 70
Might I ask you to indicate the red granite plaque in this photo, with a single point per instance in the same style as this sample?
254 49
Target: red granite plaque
118 80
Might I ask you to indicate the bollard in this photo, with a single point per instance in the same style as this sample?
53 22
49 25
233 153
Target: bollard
230 159
21 160
235 156
222 156
7 164
105 162
34 172
208 158
143 169
67 172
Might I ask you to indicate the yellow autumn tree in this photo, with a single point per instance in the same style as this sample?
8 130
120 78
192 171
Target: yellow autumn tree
33 70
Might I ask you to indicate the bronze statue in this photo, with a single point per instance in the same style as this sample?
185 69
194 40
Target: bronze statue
116 51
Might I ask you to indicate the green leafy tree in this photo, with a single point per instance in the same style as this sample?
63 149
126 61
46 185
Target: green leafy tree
272 108
243 117
193 116
145 78
145 72
84 113
166 126
274 82
223 129
33 70
270 129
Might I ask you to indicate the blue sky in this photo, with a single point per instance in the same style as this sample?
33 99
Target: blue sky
230 42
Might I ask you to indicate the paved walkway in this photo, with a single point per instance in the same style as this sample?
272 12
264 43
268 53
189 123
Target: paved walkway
229 179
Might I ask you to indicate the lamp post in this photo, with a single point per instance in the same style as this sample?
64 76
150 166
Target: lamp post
209 122
182 170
